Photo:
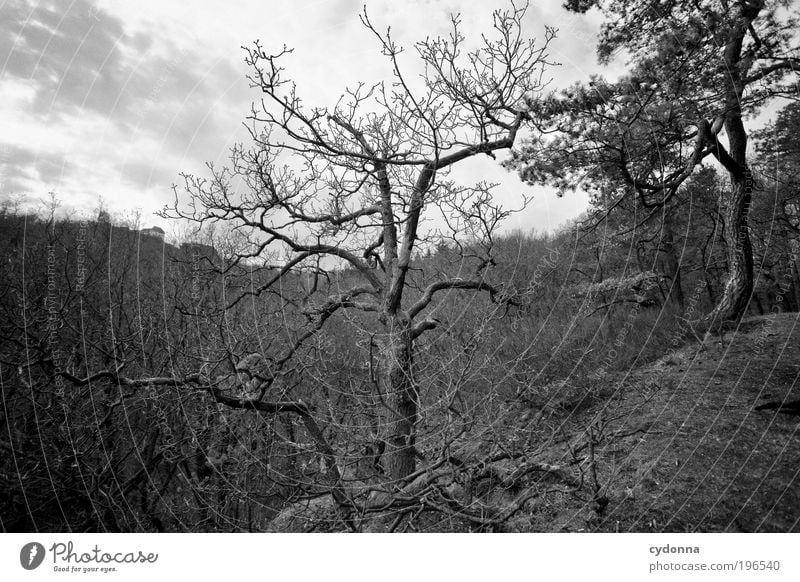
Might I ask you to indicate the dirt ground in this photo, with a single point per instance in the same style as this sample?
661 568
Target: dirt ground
686 451
677 445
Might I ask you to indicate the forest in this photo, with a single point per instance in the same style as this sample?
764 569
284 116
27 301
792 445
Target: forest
345 338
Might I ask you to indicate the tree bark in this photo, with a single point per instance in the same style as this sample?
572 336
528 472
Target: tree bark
739 286
671 263
795 281
401 394
792 287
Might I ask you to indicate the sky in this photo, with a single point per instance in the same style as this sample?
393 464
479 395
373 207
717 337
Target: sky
108 101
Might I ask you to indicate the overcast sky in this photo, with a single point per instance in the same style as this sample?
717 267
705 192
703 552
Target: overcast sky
113 99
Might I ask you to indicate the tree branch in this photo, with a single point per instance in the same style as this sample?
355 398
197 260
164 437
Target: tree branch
434 288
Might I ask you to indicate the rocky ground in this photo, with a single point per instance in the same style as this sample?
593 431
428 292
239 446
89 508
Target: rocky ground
680 446
675 445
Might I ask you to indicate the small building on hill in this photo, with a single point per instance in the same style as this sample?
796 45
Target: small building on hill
154 231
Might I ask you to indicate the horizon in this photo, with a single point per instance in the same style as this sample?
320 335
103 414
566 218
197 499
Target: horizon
107 105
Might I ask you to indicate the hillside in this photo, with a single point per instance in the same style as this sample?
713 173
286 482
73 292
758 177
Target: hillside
679 446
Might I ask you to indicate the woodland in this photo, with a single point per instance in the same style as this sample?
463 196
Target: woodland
347 339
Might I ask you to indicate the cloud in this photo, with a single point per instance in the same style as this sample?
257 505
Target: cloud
145 174
117 100
93 101
20 166
83 59
75 58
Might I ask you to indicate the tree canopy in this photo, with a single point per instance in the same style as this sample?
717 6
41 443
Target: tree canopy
696 71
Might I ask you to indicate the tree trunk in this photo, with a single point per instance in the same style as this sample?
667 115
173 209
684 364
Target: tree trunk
795 281
671 263
401 397
791 290
739 286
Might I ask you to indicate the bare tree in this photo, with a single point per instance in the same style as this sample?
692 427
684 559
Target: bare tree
331 204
